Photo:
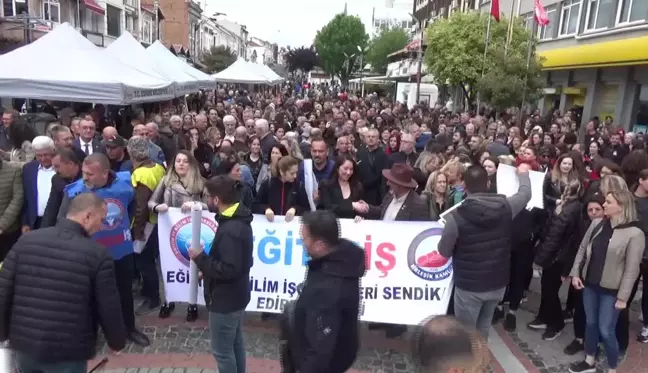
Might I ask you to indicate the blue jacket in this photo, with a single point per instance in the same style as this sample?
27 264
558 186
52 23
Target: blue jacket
116 234
320 175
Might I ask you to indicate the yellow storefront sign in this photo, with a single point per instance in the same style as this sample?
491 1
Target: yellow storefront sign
624 52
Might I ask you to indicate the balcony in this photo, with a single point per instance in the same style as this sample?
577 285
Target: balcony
96 38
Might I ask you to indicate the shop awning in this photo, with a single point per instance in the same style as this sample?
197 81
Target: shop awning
623 52
94 6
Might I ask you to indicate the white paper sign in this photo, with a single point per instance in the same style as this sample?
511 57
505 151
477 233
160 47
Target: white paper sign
508 184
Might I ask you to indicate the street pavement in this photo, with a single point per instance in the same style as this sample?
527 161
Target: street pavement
181 347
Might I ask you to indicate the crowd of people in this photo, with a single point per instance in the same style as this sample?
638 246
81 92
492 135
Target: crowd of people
105 181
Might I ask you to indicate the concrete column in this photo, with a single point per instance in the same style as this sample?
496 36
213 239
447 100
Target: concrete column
591 97
563 100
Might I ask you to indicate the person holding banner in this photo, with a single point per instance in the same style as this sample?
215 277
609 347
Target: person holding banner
284 194
181 187
326 331
226 273
477 236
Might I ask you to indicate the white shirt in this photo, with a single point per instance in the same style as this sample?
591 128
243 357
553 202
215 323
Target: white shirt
394 207
83 144
229 138
44 183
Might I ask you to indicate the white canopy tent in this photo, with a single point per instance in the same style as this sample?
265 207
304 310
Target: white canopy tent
160 53
81 74
243 72
267 72
132 53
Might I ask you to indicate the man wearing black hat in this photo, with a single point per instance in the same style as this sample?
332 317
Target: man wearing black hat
116 150
400 204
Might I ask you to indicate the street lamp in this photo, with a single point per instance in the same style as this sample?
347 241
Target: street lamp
362 53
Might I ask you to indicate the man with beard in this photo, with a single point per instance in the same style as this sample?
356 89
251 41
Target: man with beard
312 171
68 170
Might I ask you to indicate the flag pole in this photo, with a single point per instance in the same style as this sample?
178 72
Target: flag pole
509 33
530 45
487 42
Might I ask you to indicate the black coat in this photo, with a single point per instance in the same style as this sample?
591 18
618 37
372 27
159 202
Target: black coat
55 198
57 286
281 197
326 328
330 198
562 236
370 167
226 270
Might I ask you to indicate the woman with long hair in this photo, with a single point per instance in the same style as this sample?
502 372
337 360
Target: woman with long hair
435 194
21 136
425 164
268 170
606 268
554 253
282 194
563 173
490 164
342 192
254 159
393 146
293 147
182 187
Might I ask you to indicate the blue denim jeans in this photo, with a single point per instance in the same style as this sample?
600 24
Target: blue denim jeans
227 341
601 318
28 364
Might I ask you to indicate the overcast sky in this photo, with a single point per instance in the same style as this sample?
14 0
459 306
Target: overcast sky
295 22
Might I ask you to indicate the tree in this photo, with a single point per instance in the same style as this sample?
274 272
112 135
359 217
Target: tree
337 45
218 59
455 55
388 41
303 59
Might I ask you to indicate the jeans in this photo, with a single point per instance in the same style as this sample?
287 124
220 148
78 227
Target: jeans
148 268
28 364
476 309
601 319
124 269
227 341
550 311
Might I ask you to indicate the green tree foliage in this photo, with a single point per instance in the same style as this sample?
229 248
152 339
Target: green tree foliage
303 59
337 45
388 41
455 55
218 59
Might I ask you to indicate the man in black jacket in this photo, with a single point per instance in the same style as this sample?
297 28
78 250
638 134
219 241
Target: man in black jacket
477 236
371 161
68 170
326 335
56 287
226 273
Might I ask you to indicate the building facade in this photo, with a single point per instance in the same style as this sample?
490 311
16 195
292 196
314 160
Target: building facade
180 24
261 51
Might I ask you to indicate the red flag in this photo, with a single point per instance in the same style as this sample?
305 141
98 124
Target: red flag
540 14
495 12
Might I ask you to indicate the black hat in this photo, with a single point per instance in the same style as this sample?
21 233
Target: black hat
115 141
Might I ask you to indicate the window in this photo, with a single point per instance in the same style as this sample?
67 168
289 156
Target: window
14 7
113 17
52 11
130 23
147 31
547 32
632 11
598 14
569 17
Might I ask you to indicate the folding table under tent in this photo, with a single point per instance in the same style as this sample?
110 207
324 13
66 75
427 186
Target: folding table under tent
241 72
132 53
65 66
159 52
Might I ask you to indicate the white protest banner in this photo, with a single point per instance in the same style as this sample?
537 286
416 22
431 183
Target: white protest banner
406 279
508 184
